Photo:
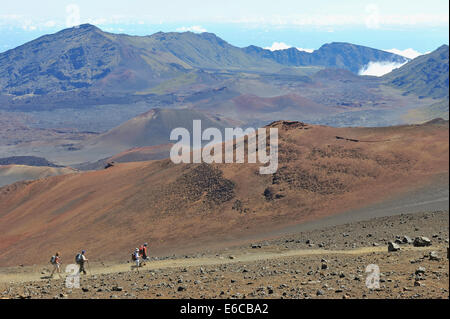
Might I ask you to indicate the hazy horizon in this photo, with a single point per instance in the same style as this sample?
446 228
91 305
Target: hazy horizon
420 26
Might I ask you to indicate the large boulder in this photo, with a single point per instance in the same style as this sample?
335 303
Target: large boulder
393 246
422 242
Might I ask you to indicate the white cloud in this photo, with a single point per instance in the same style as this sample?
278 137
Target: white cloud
283 46
408 53
278 46
379 68
194 28
306 50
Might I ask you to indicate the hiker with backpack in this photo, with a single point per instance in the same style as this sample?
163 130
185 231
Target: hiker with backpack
56 262
143 252
81 259
135 256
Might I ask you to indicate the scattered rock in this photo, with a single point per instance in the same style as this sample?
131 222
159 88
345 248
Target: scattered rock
434 256
108 165
420 271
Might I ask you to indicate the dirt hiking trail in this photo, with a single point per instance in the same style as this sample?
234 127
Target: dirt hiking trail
230 258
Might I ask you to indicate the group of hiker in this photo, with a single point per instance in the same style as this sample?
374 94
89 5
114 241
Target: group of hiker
80 259
138 256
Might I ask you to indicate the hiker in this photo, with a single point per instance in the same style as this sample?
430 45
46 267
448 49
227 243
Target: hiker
81 259
56 262
135 256
143 251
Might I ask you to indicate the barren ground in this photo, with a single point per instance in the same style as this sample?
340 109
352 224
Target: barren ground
288 267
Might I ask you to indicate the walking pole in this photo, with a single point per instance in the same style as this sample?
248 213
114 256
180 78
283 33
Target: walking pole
59 270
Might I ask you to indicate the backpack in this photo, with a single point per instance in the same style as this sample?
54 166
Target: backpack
133 256
53 260
78 258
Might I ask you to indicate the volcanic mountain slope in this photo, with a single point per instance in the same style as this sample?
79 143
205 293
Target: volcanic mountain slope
85 57
149 129
426 75
322 171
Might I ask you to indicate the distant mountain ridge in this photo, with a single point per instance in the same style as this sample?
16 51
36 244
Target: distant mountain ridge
98 64
86 57
110 78
341 55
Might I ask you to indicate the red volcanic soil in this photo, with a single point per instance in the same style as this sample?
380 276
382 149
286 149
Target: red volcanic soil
322 171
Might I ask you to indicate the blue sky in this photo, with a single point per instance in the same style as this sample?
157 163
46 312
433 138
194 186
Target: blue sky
395 24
